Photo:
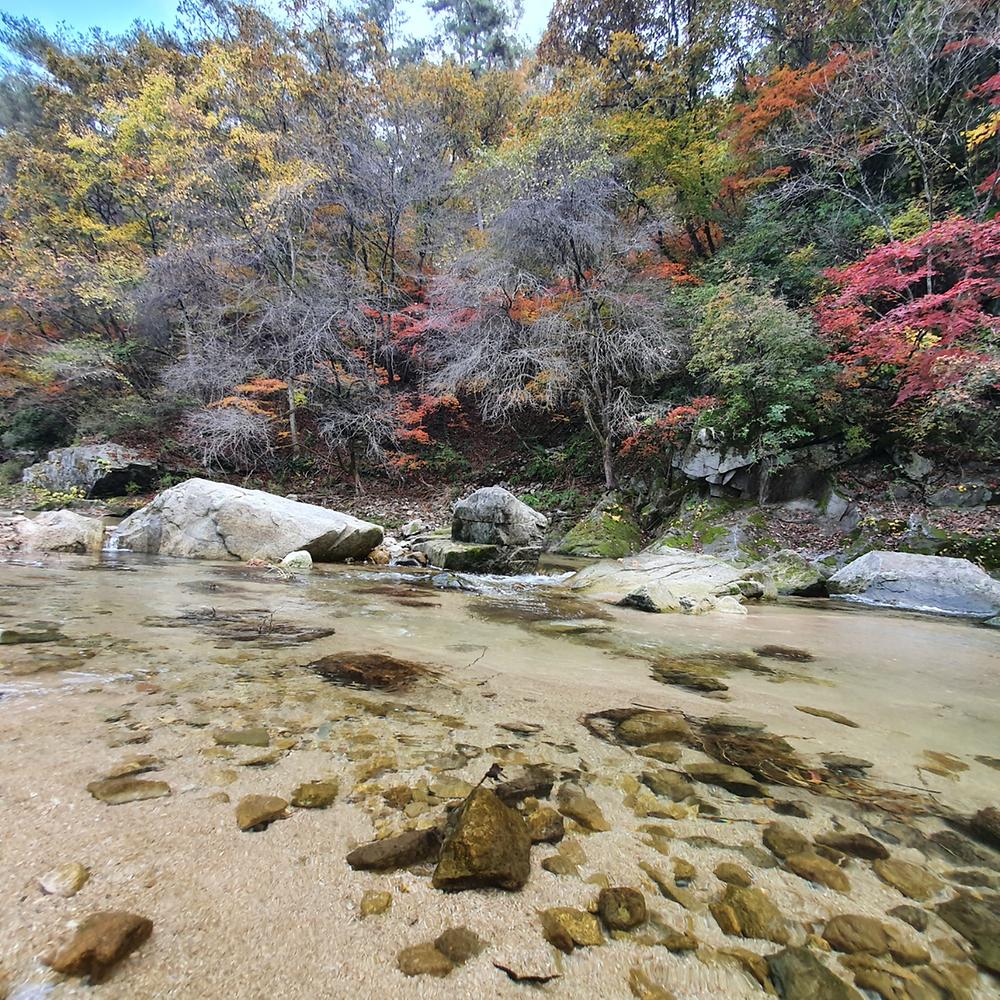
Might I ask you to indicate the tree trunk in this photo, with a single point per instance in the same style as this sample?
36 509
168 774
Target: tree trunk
293 422
607 453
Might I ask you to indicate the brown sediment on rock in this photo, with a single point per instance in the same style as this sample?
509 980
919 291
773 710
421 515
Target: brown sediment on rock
790 653
372 671
823 713
252 625
772 759
100 942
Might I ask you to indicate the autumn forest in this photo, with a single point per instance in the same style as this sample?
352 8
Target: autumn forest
269 242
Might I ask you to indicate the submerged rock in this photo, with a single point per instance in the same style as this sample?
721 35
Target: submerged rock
978 921
852 933
423 960
545 825
782 839
489 845
577 805
621 908
911 880
26 634
255 737
118 791
100 942
566 928
825 713
798 974
733 779
401 851
255 812
459 944
66 880
316 794
653 727
857 845
750 913
374 903
200 519
809 865
918 583
371 671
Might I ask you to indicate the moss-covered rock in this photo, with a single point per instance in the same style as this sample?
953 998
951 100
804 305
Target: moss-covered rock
734 530
609 531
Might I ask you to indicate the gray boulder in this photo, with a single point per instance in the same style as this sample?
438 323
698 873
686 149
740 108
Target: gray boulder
670 580
52 531
494 516
918 583
200 519
100 470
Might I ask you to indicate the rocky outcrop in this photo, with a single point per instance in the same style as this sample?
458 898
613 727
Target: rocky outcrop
204 520
52 531
472 557
608 531
918 583
494 516
794 574
669 580
491 532
100 470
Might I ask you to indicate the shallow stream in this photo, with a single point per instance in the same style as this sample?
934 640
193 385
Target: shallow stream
152 656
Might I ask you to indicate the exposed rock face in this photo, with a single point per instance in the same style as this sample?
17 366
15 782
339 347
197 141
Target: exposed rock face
918 583
100 470
488 846
200 519
566 928
494 516
100 941
668 580
52 531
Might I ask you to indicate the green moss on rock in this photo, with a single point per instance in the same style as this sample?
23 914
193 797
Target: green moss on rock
608 531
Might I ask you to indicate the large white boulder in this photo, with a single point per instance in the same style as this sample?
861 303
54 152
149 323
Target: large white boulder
100 470
668 580
918 583
200 519
494 516
52 531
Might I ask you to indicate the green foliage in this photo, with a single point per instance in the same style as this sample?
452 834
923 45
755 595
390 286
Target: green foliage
11 470
545 499
446 461
766 364
35 428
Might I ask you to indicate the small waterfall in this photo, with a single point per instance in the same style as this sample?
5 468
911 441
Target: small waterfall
112 543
